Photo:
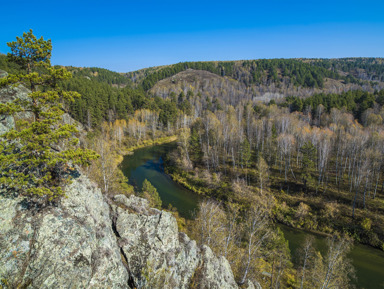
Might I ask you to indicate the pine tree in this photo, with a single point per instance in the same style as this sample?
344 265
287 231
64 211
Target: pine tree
36 156
262 172
309 154
245 153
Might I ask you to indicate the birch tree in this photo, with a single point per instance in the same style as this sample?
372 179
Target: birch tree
256 222
337 268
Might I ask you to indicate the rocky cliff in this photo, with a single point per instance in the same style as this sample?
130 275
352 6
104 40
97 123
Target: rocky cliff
68 246
89 241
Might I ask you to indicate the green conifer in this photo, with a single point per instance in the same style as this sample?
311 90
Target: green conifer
36 156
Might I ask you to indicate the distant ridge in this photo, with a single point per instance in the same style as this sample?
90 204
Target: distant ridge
304 72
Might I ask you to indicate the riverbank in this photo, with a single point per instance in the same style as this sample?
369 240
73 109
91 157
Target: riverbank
152 142
128 150
183 181
299 211
368 261
294 210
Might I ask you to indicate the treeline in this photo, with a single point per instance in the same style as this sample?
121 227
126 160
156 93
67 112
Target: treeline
99 75
107 95
276 70
101 102
218 68
101 98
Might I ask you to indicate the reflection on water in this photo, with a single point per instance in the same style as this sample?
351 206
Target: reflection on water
147 163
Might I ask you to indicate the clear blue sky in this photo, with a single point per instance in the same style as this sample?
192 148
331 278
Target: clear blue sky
129 35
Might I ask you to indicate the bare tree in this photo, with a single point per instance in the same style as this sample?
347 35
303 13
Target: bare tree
337 268
211 223
307 254
256 222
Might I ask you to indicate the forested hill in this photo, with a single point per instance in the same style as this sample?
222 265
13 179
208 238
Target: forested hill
264 79
299 72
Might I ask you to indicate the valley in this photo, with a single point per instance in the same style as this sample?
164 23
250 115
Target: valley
147 163
293 142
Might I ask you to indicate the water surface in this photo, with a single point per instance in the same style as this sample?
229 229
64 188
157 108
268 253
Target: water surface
147 163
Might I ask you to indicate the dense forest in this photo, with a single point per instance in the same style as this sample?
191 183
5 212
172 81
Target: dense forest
311 159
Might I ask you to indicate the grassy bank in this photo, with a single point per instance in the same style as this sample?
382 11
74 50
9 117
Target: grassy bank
129 147
151 142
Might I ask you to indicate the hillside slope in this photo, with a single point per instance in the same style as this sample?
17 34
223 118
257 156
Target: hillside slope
264 79
230 91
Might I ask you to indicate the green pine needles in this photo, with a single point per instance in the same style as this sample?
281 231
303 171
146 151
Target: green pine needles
36 156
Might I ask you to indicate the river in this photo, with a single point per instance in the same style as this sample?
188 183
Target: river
147 163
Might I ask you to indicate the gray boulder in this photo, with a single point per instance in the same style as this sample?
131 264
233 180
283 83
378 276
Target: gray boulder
157 255
68 246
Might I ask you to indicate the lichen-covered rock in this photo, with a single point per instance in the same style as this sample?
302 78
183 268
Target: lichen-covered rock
158 256
68 246
215 272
